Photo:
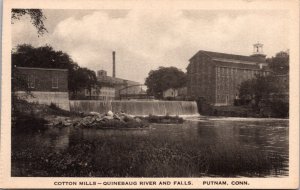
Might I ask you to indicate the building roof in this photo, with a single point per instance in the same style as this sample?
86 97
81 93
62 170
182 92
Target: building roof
217 55
114 80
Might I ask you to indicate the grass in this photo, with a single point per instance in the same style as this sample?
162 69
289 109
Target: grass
143 157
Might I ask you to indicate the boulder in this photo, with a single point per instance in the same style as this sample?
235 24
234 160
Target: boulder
110 113
94 114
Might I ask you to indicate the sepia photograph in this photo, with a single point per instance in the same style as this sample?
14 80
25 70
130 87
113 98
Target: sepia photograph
132 93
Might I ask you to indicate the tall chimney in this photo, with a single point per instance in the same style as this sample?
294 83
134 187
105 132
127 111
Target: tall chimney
114 64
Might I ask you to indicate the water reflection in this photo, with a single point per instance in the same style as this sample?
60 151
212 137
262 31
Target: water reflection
269 137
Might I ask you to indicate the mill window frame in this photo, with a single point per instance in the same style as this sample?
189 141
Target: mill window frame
55 82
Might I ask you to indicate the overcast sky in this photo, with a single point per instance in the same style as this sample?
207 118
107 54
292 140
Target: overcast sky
144 40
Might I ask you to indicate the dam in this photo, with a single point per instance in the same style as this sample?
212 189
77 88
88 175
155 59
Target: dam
139 107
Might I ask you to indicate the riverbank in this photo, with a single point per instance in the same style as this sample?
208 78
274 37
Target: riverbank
275 110
36 117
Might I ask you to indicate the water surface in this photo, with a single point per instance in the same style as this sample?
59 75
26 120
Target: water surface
229 147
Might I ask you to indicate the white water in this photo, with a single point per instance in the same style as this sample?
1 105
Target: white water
140 108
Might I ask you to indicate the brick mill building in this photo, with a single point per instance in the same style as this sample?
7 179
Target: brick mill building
216 76
46 85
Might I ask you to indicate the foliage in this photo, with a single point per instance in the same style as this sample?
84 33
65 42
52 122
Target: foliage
261 90
36 17
258 88
280 109
84 78
280 63
46 57
164 78
18 82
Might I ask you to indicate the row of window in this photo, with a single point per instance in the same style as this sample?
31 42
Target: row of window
227 71
32 84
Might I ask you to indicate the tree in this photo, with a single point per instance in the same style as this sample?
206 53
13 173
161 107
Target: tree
280 63
258 88
84 79
36 17
46 57
164 78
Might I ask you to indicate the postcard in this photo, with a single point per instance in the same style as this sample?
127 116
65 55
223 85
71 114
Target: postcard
179 94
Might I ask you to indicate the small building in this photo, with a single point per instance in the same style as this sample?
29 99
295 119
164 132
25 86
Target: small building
171 93
123 87
101 93
46 85
175 93
216 77
110 88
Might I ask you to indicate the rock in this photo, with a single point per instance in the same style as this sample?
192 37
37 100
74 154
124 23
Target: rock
110 113
117 117
138 120
94 114
128 118
108 117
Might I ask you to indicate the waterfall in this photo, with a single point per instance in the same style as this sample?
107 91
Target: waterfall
136 107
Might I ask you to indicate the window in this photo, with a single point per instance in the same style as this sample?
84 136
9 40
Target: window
54 82
31 81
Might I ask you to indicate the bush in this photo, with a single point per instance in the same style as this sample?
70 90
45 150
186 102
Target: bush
280 108
204 108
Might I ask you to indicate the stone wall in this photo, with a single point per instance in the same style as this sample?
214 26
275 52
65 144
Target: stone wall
60 99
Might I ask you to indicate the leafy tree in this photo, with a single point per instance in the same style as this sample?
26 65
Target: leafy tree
36 17
46 57
85 79
280 63
164 78
258 88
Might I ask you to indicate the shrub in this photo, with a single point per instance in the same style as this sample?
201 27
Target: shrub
280 108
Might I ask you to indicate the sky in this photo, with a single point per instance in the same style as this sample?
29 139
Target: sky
145 39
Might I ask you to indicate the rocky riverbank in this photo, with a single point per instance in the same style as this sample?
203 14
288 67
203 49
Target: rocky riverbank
100 121
36 117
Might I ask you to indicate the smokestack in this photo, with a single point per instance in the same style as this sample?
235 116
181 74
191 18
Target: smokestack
114 64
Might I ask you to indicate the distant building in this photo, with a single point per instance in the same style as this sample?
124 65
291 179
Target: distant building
101 93
216 76
46 85
175 93
122 87
111 88
170 93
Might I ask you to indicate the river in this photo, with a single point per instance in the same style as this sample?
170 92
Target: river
200 147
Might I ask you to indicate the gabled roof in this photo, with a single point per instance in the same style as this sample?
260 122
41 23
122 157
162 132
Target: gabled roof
217 55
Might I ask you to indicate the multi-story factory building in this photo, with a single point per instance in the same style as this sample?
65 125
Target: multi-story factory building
216 77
